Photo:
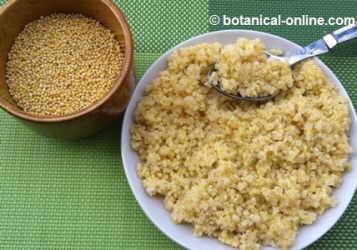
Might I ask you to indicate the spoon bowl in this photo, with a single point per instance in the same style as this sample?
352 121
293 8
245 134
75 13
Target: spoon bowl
213 81
322 46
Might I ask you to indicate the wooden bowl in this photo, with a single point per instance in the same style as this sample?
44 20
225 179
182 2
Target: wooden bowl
15 14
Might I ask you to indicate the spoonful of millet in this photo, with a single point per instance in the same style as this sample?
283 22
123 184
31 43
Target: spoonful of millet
245 71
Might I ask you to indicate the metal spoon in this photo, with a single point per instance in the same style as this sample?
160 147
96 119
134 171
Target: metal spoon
322 46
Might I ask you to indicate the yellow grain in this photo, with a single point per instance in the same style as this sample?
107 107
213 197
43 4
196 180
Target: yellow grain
61 64
247 174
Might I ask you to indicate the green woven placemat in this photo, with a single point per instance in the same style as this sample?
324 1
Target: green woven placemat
74 195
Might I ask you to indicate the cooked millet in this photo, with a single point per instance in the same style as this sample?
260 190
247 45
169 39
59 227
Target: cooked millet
248 174
61 64
243 69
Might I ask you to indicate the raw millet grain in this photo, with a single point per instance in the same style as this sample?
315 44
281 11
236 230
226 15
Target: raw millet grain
61 64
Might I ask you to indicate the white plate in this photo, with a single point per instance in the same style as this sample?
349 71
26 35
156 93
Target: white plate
153 207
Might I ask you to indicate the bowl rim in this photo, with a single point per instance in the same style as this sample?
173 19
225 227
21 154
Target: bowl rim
125 71
126 148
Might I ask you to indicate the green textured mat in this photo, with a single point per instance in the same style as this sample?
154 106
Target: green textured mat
74 195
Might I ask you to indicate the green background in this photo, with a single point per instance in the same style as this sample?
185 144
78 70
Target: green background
74 195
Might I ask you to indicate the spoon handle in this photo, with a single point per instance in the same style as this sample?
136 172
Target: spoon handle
325 44
345 34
